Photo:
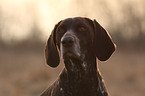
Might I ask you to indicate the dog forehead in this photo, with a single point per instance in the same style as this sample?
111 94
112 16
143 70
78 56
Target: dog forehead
73 21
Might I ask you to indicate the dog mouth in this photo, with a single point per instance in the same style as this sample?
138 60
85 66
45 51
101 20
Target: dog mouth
74 60
73 55
68 54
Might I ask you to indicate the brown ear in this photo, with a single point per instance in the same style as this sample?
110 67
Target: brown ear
51 51
103 42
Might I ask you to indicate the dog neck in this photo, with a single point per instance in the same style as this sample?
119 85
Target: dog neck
82 75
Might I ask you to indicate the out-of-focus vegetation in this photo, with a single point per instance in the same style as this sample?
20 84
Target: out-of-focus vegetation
23 71
130 31
124 20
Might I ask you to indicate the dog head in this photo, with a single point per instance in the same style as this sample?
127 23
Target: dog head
74 38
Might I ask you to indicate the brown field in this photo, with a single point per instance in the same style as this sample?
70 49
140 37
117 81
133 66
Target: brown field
23 72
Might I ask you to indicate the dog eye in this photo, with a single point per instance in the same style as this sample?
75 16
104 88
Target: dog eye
61 30
82 28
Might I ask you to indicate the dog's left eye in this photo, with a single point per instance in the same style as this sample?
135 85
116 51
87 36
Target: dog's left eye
82 28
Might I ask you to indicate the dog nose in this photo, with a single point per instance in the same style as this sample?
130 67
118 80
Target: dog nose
67 41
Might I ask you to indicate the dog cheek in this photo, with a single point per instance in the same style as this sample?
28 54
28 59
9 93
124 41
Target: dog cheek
84 45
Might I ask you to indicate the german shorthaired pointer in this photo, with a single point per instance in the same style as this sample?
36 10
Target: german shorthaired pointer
78 42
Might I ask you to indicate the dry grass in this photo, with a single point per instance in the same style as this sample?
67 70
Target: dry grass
23 72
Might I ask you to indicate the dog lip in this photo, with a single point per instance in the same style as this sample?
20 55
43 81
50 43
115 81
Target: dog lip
68 49
70 53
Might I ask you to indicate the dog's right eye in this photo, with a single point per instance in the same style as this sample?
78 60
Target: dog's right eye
61 30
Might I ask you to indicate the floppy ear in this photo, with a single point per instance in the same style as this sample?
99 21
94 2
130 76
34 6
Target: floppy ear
51 51
103 42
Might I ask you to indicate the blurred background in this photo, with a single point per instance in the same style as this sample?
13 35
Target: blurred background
25 25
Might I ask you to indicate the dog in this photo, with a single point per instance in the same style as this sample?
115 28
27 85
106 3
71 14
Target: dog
78 42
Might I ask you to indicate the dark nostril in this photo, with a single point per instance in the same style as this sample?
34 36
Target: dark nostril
67 41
